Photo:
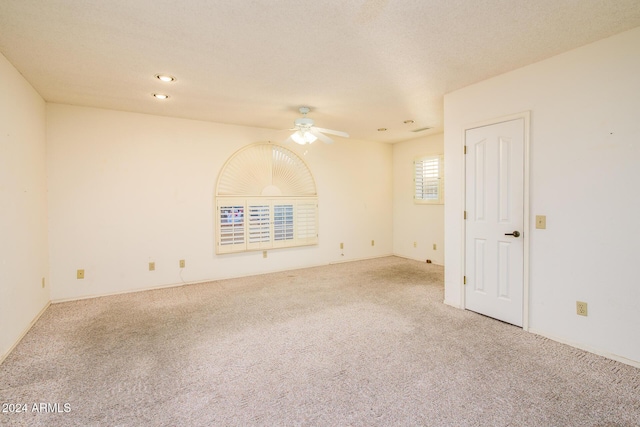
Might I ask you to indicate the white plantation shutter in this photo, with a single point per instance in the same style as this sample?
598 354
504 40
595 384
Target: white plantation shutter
428 180
231 227
275 193
307 222
283 224
259 225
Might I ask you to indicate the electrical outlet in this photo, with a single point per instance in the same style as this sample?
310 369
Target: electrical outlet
581 308
373 243
434 247
264 254
152 266
541 221
415 244
341 245
80 274
182 263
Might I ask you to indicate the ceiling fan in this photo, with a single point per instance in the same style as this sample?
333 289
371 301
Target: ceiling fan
306 132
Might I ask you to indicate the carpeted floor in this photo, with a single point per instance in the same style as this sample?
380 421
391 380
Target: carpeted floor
365 343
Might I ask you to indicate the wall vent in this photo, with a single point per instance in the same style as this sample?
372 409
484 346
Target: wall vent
421 129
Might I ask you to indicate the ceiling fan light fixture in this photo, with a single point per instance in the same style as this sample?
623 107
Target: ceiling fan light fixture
303 138
306 132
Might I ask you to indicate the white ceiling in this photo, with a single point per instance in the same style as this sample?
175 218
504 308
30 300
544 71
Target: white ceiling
360 65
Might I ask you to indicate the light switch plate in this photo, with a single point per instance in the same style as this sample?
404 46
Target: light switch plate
541 221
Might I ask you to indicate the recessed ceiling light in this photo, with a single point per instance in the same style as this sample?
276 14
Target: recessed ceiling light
165 78
382 129
408 122
160 95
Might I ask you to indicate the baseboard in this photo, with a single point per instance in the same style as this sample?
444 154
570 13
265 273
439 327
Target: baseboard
175 285
26 330
417 259
131 291
617 358
453 304
341 261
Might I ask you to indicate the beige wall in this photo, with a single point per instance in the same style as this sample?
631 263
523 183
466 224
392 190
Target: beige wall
23 212
422 224
126 189
585 146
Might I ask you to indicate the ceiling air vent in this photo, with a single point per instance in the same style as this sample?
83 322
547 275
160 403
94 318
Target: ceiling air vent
420 130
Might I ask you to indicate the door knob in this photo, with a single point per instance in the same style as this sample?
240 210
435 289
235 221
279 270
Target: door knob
514 234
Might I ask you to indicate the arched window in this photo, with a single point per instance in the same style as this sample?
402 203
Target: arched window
265 198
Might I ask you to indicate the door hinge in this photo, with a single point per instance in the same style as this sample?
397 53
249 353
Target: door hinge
464 280
465 214
465 149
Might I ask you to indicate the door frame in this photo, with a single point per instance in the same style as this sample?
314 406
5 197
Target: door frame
526 115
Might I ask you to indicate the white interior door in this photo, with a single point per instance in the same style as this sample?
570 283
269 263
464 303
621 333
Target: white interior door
494 248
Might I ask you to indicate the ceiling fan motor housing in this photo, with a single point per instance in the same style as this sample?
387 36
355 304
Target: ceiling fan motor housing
304 122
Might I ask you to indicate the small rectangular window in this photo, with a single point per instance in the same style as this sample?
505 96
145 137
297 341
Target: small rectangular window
428 180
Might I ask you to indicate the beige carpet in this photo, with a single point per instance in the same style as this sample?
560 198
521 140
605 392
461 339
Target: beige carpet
366 343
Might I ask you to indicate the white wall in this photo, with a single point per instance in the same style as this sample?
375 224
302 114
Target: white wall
423 224
126 189
585 170
23 213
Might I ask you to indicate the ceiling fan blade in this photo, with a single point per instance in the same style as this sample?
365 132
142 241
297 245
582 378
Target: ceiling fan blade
320 136
332 132
289 140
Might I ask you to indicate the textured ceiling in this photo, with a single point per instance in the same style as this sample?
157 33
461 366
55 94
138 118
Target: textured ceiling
360 65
